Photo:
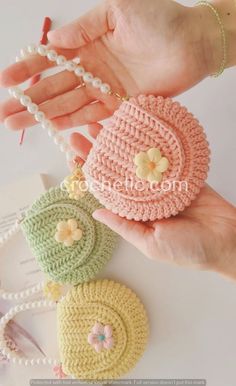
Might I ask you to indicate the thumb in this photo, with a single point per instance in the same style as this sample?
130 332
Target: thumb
82 31
132 231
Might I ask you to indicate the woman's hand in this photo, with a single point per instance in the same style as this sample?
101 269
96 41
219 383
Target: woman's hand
136 46
203 236
157 47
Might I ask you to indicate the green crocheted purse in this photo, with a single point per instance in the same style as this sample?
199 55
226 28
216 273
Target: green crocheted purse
80 257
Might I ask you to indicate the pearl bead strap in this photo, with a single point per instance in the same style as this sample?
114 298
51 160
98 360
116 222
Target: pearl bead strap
13 357
39 116
69 65
28 291
10 233
22 294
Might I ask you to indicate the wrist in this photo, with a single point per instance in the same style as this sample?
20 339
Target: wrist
226 260
211 36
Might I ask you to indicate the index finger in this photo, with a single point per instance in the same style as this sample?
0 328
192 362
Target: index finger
20 72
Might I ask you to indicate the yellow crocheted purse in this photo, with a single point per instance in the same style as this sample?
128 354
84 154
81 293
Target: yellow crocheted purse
102 332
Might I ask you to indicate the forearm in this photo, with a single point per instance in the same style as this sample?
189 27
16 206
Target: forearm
225 264
211 34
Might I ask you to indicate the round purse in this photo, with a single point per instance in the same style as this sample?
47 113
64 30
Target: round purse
150 161
102 331
68 244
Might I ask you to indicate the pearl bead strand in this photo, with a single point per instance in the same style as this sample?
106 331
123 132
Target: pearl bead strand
13 357
27 292
22 295
10 233
69 65
39 116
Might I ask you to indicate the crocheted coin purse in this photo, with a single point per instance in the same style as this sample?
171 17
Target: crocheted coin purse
69 245
150 161
102 331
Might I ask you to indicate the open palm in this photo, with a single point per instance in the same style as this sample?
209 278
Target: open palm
134 47
203 236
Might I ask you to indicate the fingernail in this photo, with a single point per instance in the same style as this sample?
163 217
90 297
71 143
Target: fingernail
96 215
6 124
50 34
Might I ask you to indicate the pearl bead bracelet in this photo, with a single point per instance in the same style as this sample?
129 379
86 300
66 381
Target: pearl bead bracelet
69 65
19 296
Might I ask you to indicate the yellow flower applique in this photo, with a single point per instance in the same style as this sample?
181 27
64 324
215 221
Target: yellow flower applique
68 232
151 165
52 291
75 184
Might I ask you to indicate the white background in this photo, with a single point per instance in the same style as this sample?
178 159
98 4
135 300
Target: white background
192 314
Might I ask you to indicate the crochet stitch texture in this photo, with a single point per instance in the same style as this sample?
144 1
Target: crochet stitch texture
138 125
86 257
108 303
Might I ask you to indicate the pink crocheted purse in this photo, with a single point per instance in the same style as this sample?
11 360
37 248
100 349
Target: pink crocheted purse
150 161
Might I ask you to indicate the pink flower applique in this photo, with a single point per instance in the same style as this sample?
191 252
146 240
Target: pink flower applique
58 371
101 337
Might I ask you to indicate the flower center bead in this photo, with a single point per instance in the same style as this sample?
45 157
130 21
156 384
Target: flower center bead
151 165
101 338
